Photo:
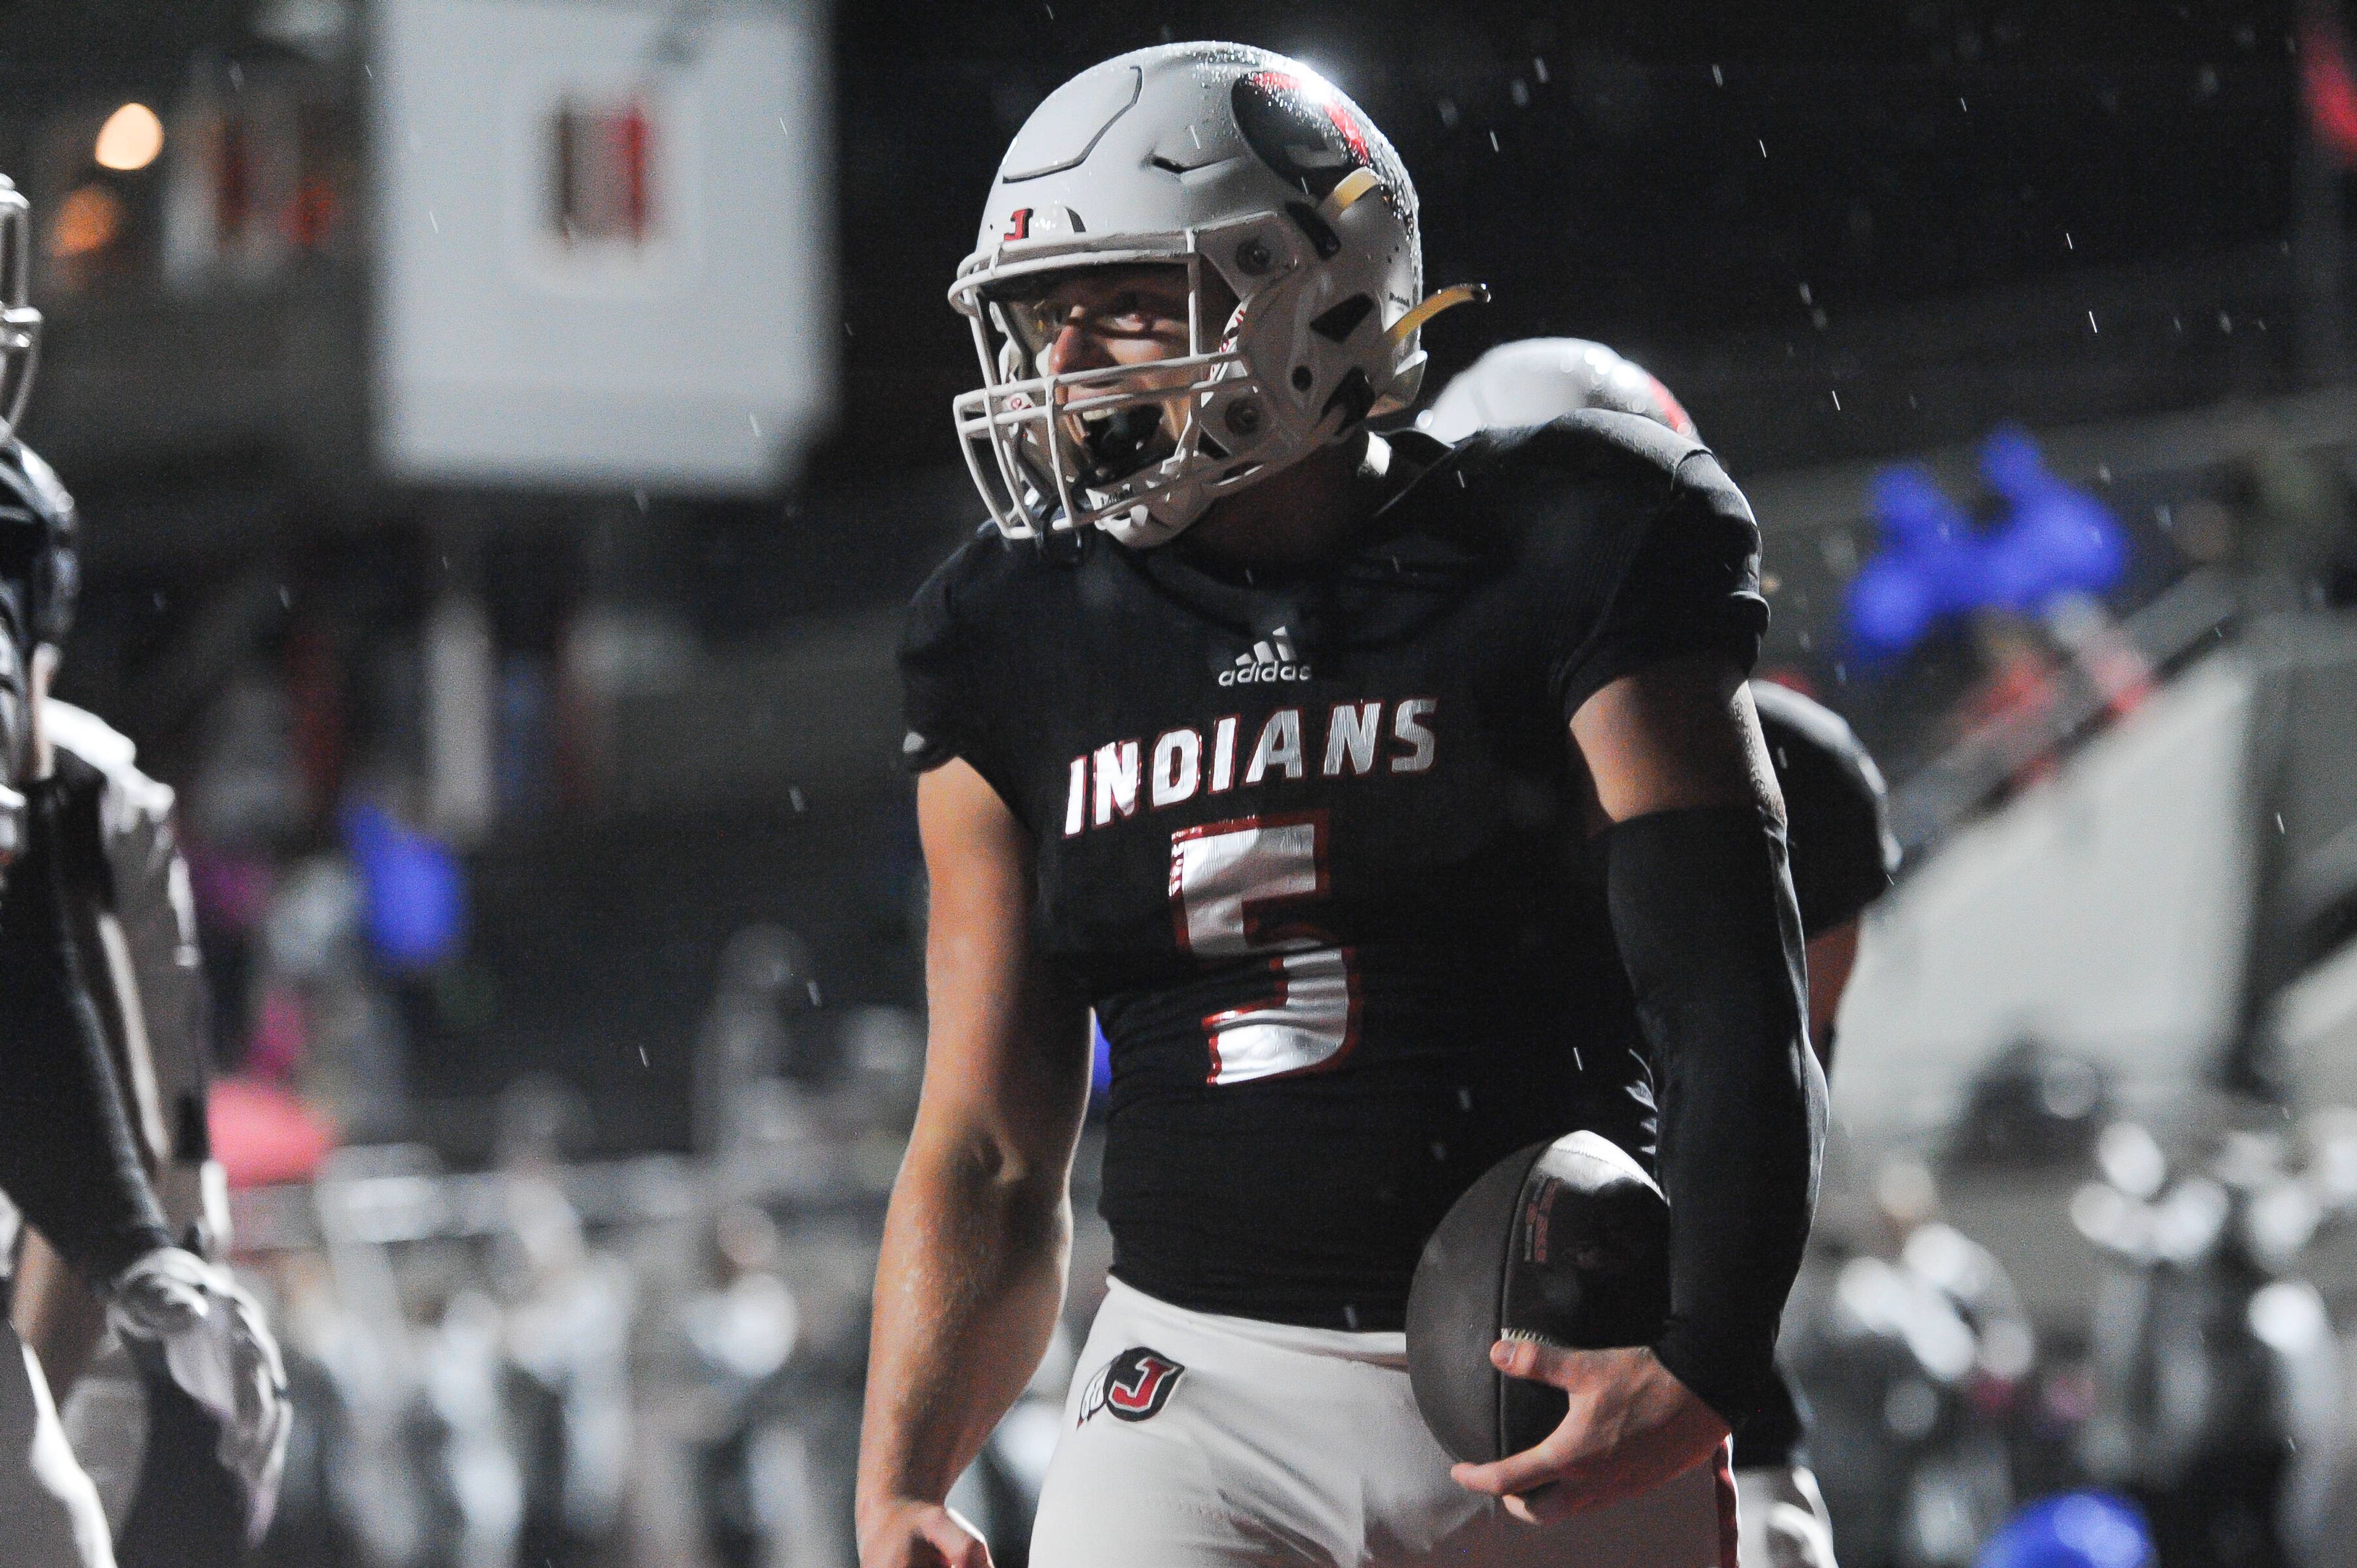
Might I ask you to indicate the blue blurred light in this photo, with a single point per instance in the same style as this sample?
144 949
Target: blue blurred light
2079 1530
2051 540
413 891
1100 1062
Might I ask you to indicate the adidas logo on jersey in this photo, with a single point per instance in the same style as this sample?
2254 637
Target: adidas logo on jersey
1271 659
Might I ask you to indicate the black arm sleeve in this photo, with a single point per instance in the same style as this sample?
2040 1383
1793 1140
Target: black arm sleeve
1777 1434
67 1154
1703 911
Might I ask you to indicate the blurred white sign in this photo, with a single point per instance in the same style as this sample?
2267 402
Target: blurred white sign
605 241
2104 912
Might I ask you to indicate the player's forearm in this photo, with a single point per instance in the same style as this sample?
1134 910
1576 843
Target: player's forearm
56 1313
1832 956
968 1285
67 1153
1704 914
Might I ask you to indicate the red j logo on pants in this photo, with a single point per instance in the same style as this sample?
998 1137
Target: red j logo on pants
1134 1385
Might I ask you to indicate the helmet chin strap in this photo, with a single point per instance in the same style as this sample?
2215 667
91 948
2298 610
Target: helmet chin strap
1449 298
1358 183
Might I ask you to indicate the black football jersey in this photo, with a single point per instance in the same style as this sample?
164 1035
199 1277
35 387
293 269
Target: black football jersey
1311 842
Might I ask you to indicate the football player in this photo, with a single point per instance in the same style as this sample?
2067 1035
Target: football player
69 1159
152 1452
1258 735
1843 858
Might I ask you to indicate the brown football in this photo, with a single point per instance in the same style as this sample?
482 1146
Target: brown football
1565 1242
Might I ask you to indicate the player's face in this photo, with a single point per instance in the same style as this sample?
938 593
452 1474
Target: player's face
1105 318
1096 318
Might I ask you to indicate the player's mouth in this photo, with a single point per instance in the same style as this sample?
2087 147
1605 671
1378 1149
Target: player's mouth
1112 444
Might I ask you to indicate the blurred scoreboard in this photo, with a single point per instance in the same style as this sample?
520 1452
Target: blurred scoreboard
603 242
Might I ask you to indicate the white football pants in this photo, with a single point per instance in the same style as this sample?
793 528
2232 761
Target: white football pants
1195 1440
1785 1524
49 1512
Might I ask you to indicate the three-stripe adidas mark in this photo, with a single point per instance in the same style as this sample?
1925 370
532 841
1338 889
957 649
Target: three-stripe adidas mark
1272 659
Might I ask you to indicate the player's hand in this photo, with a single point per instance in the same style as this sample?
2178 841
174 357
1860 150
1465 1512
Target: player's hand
162 1294
208 1334
1632 1427
901 1532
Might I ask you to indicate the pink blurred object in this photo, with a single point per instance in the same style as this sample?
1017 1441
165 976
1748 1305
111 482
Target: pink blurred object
232 890
281 1030
262 1134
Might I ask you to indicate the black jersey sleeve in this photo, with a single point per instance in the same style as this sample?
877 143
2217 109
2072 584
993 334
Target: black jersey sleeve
1691 586
947 671
933 699
959 697
67 1153
1836 809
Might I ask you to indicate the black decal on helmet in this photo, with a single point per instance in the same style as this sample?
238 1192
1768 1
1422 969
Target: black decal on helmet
1305 133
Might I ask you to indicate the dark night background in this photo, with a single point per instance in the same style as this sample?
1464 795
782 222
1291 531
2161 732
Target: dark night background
1601 167
640 735
1947 193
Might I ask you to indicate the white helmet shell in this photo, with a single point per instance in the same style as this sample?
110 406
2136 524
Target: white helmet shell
21 324
1536 380
1230 161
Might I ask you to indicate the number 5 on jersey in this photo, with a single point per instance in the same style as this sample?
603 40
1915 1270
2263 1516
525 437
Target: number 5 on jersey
1237 891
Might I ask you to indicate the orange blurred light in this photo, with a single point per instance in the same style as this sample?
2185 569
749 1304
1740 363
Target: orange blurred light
87 222
130 139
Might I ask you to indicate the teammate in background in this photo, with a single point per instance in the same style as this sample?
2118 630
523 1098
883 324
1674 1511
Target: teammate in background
1843 857
1261 734
133 908
151 1451
1534 380
69 1159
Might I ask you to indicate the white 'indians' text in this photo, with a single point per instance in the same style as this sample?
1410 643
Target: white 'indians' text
1349 740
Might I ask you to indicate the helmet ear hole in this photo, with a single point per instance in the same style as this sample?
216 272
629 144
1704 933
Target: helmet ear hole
1337 322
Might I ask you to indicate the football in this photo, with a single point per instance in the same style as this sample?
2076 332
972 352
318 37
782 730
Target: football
1566 1244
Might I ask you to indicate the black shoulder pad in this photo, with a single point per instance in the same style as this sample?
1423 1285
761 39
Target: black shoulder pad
1626 466
1592 443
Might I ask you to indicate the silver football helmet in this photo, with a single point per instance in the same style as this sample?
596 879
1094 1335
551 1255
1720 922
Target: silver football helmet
1539 379
1274 193
21 324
